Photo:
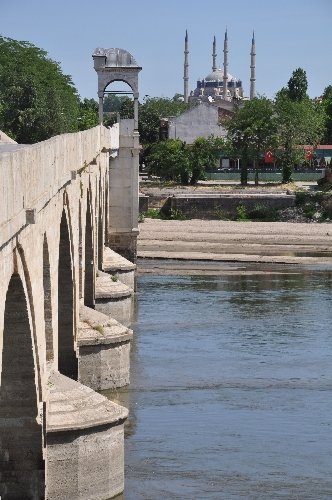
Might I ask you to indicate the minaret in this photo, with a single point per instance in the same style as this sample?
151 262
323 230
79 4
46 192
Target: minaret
214 55
253 68
225 66
186 69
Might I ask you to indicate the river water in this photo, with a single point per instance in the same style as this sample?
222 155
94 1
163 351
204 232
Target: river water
231 383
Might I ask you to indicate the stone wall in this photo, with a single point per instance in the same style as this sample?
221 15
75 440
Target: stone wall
216 206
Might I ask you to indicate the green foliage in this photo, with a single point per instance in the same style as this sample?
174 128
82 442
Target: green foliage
314 204
37 100
203 153
88 114
99 328
251 131
150 113
152 213
173 160
241 213
301 198
298 85
172 214
169 160
263 212
297 123
175 214
327 208
220 214
324 184
327 104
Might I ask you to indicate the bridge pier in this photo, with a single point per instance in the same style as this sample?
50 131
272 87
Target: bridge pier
119 267
103 351
84 442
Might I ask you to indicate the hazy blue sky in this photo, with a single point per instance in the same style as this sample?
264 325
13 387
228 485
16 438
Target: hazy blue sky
289 34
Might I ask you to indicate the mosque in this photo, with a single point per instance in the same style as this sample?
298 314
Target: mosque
213 99
219 86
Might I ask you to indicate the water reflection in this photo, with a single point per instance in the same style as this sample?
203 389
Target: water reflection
231 386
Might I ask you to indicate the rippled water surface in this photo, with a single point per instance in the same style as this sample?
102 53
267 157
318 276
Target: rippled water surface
231 384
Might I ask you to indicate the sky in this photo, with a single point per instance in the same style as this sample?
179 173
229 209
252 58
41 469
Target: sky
289 34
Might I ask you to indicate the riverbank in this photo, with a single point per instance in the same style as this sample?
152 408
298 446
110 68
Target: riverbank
218 240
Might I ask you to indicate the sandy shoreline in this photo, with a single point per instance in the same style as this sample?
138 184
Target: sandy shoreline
275 242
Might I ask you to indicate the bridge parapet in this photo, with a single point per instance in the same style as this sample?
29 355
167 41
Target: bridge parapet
31 176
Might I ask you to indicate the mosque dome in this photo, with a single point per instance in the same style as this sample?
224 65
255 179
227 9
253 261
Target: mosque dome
218 75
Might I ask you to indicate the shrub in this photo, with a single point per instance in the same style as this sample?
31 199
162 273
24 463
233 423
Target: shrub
241 213
263 212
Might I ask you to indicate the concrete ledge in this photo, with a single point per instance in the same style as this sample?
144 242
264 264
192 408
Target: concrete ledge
113 261
108 288
72 406
118 266
96 328
103 351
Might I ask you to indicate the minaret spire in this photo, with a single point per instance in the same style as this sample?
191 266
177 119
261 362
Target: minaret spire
225 66
214 55
253 68
186 69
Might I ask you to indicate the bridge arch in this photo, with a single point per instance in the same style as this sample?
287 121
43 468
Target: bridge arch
89 266
21 438
80 251
48 317
100 226
67 361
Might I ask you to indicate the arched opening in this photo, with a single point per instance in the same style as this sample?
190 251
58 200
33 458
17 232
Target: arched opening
80 252
22 466
67 361
106 211
47 302
118 102
100 229
89 281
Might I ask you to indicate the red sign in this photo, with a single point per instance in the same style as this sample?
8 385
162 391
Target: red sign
269 157
309 154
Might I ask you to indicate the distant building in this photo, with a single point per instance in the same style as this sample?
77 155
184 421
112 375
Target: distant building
219 85
199 121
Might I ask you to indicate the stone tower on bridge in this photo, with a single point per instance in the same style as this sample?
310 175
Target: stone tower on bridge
114 65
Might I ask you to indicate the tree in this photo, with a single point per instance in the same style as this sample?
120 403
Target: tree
172 159
88 114
150 113
203 153
251 132
298 85
298 123
37 100
327 104
169 160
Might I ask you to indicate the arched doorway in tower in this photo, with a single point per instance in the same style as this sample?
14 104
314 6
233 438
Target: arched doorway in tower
89 280
67 361
21 458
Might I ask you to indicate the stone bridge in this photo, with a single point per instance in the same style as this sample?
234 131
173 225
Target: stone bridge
68 230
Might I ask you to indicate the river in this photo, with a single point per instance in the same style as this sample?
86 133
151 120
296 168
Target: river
231 383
